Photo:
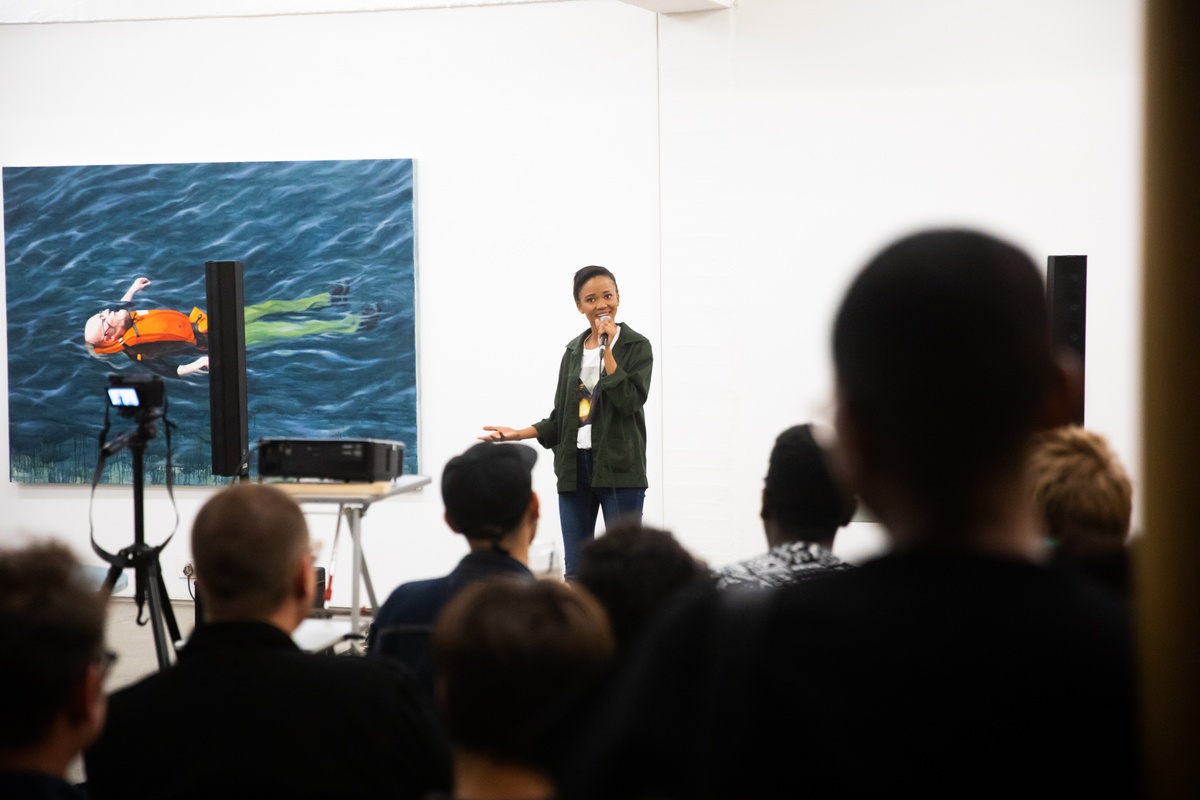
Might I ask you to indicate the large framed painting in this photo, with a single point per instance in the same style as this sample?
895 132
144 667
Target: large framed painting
329 256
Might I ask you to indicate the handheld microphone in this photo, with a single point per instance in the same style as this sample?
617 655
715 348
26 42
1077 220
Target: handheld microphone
604 336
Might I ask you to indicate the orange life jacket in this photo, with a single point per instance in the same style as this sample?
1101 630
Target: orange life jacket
159 325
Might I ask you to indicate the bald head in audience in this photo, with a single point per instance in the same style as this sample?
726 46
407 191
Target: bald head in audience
250 712
253 558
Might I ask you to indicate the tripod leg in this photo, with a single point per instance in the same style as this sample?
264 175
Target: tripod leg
354 517
366 576
139 587
156 619
168 612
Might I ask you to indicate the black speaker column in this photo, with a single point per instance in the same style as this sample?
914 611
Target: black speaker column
228 413
1066 294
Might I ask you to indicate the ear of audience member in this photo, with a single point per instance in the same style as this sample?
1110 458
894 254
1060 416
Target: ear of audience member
253 558
52 663
245 711
803 506
633 570
955 665
507 653
488 494
1085 500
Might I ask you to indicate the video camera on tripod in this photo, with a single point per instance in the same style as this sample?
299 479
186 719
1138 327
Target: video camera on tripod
137 397
141 398
134 394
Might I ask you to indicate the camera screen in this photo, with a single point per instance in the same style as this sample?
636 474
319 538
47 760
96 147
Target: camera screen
123 396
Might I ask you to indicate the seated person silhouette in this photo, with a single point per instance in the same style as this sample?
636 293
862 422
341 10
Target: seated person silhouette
1085 500
175 344
803 506
52 665
488 494
506 653
634 570
957 664
244 712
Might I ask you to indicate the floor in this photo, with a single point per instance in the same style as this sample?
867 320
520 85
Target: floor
134 643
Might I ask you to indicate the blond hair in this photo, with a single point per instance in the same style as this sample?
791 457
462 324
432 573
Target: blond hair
1079 484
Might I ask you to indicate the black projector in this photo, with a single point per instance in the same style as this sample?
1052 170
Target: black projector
348 460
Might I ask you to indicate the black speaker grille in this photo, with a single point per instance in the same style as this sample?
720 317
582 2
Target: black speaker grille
227 368
1066 296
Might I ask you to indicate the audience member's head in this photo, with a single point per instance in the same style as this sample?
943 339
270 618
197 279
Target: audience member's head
253 557
1079 484
52 659
1085 500
632 569
489 498
944 372
506 653
803 501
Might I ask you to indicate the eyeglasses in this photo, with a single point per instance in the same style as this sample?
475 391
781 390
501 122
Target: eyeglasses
106 659
108 326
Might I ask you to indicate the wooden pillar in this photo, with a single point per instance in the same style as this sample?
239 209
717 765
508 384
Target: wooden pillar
1168 555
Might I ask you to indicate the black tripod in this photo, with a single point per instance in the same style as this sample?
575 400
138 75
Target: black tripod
147 571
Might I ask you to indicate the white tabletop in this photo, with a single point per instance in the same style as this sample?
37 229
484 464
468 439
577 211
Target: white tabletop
359 493
316 634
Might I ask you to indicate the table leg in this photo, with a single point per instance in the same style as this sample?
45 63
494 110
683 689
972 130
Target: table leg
354 519
367 580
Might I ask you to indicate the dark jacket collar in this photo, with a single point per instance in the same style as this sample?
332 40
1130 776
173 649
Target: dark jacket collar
38 785
481 563
210 636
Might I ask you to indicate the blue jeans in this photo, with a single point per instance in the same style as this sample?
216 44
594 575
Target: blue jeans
577 510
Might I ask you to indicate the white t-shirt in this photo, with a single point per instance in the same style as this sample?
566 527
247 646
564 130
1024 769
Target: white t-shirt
589 376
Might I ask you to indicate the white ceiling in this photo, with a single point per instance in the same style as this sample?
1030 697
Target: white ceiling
46 11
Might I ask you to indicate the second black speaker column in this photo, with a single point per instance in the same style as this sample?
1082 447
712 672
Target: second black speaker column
1066 295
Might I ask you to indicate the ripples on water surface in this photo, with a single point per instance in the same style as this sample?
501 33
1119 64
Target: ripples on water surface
76 237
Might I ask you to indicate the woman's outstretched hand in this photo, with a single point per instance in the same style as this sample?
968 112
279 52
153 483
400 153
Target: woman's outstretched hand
499 433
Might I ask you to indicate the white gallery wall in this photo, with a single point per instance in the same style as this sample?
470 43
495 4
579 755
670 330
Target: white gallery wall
734 168
533 128
799 136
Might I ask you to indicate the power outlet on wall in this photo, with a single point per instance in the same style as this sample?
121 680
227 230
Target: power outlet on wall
188 570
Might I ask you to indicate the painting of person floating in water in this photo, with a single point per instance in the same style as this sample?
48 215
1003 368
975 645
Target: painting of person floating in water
174 344
104 272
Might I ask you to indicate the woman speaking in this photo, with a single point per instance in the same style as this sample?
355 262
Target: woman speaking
598 426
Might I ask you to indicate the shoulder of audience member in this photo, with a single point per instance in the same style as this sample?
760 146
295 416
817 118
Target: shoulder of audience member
684 617
381 671
415 596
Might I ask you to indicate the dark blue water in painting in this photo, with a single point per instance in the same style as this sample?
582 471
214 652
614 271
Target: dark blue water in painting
76 237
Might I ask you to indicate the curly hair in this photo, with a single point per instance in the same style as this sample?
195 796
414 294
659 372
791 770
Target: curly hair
1079 484
51 627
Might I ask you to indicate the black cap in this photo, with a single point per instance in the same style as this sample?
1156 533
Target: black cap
486 490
